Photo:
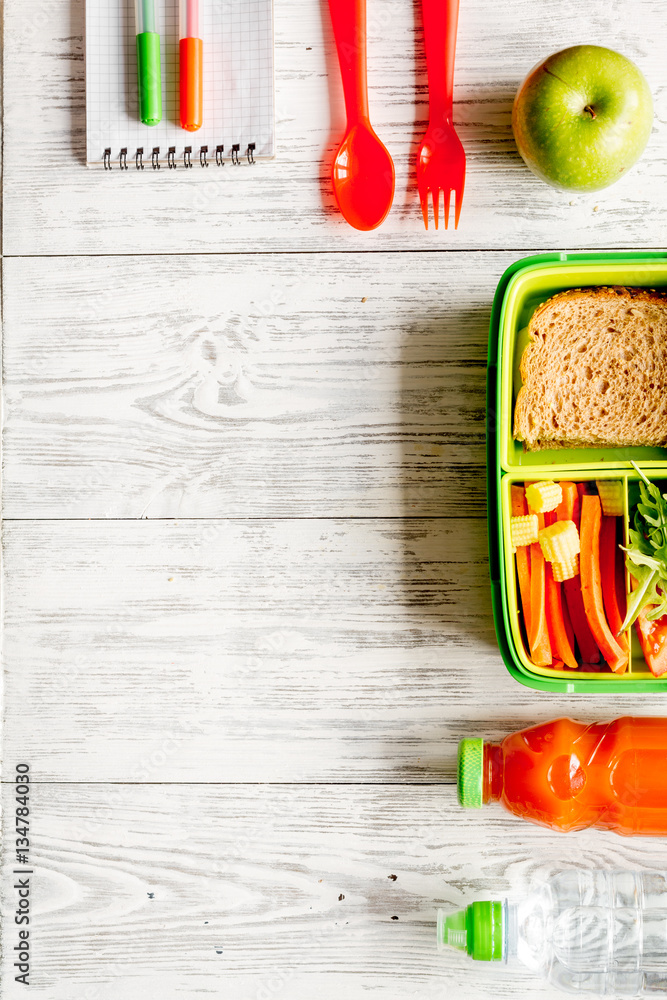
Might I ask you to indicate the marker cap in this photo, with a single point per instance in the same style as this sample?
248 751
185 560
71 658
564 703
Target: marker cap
191 83
149 77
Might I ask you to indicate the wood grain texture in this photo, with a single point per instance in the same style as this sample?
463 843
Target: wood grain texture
289 385
245 563
55 205
263 892
257 650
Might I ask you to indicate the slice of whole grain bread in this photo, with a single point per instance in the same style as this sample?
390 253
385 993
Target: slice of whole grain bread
595 370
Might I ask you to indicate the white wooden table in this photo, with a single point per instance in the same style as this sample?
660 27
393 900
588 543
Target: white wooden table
246 607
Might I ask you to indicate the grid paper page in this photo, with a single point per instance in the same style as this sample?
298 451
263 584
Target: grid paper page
238 81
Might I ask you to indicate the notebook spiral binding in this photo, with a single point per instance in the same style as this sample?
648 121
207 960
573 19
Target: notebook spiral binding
188 155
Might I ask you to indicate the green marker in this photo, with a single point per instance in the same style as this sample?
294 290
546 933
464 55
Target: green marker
148 63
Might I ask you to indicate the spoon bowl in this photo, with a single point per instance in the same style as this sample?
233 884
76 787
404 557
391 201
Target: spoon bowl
363 178
363 172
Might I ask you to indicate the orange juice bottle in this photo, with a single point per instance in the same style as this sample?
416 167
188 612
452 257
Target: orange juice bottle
569 776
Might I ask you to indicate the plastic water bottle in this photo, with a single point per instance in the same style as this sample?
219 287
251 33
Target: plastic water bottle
585 931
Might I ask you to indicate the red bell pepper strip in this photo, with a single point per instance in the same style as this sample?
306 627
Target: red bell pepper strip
621 586
608 548
591 584
575 602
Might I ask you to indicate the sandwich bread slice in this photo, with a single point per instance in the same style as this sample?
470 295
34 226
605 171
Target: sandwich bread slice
595 371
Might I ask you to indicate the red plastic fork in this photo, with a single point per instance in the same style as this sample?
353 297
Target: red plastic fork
441 161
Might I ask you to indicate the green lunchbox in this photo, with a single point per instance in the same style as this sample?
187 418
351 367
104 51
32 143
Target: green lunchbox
522 288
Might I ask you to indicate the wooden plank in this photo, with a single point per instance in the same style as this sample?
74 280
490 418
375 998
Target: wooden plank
220 386
162 891
253 650
55 205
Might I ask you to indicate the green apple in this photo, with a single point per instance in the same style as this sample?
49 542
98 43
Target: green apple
582 117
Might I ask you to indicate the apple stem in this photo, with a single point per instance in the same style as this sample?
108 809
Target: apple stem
590 111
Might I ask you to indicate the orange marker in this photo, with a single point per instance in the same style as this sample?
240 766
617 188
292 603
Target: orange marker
191 53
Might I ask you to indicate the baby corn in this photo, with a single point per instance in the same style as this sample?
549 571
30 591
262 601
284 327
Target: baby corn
565 570
611 496
523 530
560 541
542 497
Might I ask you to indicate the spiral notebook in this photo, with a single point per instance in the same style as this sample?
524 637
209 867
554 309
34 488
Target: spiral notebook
239 116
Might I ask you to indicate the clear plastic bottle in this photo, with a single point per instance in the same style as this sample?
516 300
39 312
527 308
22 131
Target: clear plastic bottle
584 931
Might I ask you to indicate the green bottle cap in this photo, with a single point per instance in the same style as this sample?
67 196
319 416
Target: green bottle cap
477 930
149 77
470 773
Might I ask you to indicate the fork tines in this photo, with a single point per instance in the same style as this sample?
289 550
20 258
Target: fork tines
435 195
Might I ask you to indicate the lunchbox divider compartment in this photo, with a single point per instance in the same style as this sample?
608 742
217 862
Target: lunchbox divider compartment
513 600
633 666
558 275
511 573
654 474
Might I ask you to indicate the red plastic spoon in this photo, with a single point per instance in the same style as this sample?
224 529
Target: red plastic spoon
363 171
